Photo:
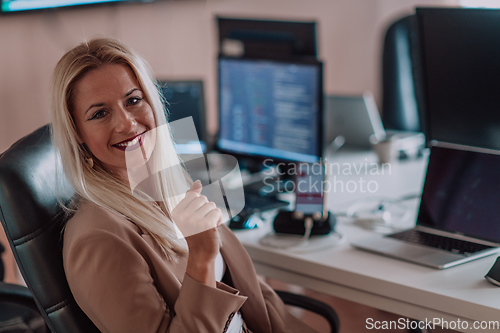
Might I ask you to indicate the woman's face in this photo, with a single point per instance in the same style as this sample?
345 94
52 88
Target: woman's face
112 115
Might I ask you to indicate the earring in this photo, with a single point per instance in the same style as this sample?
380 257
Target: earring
87 156
90 162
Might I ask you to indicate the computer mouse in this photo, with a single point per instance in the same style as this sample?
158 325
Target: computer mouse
493 275
243 220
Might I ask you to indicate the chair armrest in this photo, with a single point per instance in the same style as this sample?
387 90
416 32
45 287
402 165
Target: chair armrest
312 305
16 294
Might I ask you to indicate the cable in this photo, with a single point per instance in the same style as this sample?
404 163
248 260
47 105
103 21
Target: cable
378 213
308 225
290 242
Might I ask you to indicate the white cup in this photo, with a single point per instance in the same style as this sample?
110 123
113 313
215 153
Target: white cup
386 149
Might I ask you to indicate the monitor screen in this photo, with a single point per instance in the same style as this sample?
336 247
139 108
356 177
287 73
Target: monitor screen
461 70
186 99
8 6
269 39
271 109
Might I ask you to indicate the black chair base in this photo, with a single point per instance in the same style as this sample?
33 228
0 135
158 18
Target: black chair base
312 305
18 311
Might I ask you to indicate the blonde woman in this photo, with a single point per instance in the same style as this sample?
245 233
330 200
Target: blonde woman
126 267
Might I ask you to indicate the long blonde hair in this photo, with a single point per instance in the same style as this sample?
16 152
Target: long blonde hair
95 183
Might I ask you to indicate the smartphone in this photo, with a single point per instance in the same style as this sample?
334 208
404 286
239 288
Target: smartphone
310 197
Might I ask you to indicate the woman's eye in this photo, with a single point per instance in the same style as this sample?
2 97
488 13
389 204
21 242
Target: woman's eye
133 100
98 114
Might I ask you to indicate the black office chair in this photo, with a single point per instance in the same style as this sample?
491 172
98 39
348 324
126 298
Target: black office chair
401 94
33 222
2 266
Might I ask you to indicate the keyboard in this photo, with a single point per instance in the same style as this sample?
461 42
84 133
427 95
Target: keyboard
439 242
256 203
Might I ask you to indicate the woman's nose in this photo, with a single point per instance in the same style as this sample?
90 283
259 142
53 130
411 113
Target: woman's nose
124 121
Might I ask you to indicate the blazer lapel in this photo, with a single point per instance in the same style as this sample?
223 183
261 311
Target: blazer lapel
245 280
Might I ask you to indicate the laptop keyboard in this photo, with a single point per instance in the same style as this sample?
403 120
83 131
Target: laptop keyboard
439 242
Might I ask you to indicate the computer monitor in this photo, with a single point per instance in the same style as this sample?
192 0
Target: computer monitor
460 51
269 38
11 6
270 109
186 99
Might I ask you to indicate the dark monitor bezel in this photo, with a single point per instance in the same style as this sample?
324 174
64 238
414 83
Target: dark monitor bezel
312 62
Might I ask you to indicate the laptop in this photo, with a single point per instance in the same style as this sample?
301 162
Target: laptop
356 118
459 216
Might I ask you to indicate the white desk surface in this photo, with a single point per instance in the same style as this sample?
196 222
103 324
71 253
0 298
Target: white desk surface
392 285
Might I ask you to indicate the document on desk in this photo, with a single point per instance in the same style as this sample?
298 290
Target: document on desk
459 215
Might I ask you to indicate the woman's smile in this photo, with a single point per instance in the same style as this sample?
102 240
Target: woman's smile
132 143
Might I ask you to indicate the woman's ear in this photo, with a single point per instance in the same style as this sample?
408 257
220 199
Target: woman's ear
84 147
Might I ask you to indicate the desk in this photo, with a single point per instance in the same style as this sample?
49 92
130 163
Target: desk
392 285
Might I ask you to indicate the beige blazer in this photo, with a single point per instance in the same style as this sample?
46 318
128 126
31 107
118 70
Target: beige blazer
122 281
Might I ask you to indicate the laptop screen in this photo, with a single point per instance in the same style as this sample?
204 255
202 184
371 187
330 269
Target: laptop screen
461 193
356 118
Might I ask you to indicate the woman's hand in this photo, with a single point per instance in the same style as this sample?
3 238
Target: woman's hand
197 218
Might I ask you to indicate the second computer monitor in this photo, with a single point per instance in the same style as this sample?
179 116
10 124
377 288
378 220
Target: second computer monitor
270 109
186 99
269 39
461 69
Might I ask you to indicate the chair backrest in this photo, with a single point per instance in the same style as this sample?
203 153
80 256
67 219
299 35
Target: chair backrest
400 77
33 223
2 267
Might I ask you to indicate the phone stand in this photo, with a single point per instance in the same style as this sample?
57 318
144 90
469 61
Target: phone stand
493 275
287 223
